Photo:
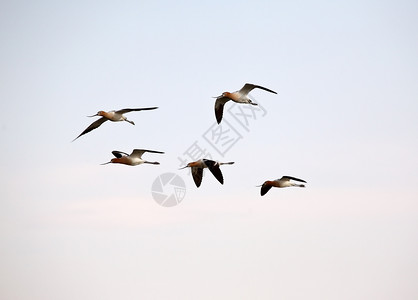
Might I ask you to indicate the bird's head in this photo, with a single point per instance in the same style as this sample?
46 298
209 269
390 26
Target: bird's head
99 113
224 94
112 161
191 164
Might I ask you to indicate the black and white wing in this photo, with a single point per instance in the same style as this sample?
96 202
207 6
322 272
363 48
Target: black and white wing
292 178
197 174
265 188
93 126
139 152
219 107
248 87
126 110
119 154
213 167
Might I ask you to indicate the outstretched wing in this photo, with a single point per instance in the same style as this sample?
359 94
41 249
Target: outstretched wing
219 107
292 178
197 174
265 188
92 126
213 167
248 87
126 110
119 154
139 152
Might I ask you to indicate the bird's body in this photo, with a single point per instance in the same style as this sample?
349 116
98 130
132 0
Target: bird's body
285 181
133 159
213 166
240 96
114 116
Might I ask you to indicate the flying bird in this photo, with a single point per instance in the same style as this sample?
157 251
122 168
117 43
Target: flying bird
113 115
240 96
133 159
285 181
213 166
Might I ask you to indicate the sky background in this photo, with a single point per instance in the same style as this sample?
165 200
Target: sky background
344 119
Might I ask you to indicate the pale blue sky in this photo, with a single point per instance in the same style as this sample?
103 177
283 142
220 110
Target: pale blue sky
344 119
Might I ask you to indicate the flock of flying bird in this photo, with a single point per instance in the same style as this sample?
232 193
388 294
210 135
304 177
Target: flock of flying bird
135 158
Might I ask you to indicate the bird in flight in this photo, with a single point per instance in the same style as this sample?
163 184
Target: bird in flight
285 181
213 166
113 115
133 159
240 96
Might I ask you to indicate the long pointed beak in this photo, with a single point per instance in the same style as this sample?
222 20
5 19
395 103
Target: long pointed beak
106 163
93 116
183 168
